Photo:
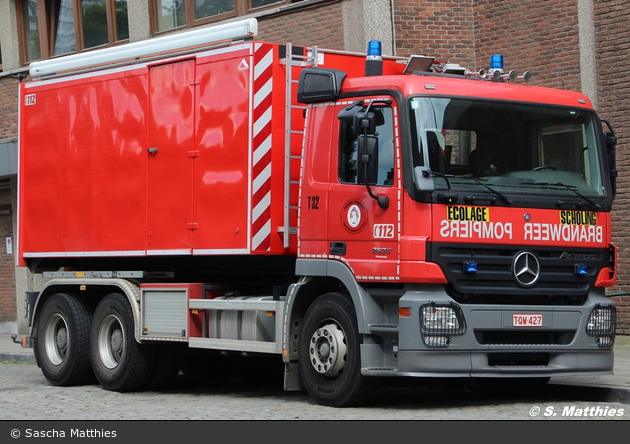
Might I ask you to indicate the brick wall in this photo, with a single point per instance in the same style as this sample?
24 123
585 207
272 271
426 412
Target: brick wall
8 130
612 36
441 29
540 36
8 107
8 308
320 26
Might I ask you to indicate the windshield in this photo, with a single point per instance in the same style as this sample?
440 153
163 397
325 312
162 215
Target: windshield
472 145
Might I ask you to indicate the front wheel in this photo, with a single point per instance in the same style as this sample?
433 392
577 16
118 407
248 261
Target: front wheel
119 362
329 356
62 343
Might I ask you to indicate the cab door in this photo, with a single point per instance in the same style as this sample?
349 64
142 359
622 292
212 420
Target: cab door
362 233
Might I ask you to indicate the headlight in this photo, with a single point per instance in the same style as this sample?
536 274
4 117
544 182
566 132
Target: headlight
602 323
439 323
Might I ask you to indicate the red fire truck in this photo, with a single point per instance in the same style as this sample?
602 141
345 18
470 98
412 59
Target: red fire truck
208 198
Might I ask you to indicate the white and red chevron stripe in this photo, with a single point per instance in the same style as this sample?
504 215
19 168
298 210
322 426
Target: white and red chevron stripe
262 140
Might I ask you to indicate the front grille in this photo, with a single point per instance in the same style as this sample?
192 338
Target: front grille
494 276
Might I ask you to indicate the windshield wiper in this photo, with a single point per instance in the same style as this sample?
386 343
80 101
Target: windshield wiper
571 188
428 173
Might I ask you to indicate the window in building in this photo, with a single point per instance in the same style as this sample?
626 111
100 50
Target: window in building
51 28
5 196
64 41
30 30
170 14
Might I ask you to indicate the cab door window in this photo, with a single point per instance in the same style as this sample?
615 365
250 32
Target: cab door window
348 148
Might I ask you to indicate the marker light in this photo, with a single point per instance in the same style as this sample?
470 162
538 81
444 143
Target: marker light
581 269
496 63
470 267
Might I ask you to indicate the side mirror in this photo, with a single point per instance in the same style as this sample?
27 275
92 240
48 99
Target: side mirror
367 169
364 123
368 160
347 113
611 155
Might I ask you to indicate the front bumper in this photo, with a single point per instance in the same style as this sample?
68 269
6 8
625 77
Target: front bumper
491 346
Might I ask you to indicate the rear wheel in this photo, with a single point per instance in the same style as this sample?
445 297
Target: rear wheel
63 337
329 358
119 362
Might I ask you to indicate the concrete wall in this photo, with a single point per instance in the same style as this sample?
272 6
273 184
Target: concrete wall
8 36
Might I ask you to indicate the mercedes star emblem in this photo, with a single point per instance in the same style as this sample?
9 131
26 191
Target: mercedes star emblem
526 269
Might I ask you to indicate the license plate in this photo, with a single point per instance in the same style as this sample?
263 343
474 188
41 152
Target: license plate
526 320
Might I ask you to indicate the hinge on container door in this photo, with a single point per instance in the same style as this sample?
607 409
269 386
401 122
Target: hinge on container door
193 226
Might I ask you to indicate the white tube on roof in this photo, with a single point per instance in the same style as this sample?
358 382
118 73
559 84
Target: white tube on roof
199 36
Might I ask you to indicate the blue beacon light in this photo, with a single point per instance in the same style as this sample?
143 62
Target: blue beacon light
374 48
374 60
496 63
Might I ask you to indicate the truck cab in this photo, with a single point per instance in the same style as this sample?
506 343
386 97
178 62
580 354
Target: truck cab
473 211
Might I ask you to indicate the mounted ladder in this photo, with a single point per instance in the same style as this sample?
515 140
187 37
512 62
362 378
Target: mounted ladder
292 149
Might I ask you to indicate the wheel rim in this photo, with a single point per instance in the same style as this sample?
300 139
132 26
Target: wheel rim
111 341
56 339
328 350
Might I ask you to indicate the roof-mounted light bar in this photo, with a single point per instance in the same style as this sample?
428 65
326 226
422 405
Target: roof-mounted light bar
173 42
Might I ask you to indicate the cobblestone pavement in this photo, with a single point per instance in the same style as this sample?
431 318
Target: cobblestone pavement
26 395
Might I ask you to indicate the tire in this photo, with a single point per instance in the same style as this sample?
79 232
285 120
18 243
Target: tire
63 339
119 362
329 355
